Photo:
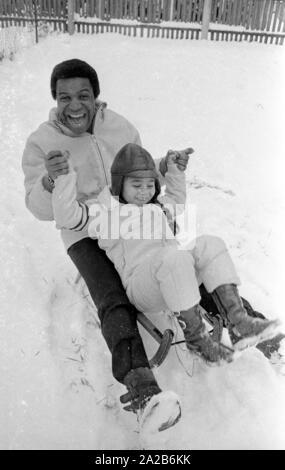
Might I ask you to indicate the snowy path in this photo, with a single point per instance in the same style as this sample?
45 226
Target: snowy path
227 101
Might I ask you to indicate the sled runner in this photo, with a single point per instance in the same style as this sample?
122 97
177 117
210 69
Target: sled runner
212 316
164 340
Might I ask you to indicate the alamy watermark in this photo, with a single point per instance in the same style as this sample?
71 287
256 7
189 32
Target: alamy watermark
147 222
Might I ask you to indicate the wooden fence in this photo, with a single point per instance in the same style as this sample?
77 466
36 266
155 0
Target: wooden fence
253 20
264 15
24 12
150 11
45 8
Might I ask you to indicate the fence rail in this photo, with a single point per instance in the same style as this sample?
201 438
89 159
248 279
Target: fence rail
253 20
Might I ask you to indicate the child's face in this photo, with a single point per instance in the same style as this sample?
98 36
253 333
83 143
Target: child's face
138 191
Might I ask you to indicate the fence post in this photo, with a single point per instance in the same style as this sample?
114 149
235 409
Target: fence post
101 10
36 20
206 18
171 10
71 10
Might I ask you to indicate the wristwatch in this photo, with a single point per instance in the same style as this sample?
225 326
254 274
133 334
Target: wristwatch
51 182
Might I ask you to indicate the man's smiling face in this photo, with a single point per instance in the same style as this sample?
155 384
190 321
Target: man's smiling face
75 103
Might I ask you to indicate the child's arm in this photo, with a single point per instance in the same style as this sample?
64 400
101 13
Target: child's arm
68 212
175 190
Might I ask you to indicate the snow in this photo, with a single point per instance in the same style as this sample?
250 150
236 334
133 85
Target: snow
224 99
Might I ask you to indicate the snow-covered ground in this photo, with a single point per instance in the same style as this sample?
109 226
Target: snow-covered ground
226 100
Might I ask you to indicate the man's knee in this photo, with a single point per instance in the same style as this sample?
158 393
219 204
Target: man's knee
112 299
118 323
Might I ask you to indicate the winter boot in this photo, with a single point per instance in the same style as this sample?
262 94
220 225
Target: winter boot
156 410
199 341
248 331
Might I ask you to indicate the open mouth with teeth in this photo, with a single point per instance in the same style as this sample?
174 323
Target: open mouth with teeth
77 120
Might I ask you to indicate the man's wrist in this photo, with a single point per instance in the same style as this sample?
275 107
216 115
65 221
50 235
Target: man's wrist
48 183
51 181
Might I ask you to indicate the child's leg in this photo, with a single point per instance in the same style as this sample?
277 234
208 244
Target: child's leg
213 263
168 279
216 270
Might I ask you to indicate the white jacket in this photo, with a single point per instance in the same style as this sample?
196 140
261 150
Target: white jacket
110 221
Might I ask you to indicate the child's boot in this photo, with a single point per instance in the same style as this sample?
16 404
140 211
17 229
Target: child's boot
199 341
247 330
156 410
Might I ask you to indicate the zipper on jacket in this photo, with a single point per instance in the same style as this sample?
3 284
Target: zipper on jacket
101 158
100 109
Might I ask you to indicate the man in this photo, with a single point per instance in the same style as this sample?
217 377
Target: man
83 129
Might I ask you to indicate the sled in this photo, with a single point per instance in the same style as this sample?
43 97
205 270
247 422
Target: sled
212 316
165 339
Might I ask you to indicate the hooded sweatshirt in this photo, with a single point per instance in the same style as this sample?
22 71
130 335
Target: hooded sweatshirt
91 156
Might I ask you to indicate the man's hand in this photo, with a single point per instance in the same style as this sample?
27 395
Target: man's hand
56 163
179 157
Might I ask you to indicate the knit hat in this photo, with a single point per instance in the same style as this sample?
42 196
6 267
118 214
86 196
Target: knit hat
133 161
74 68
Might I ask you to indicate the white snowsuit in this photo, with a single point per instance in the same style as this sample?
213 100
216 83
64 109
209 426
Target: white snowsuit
156 272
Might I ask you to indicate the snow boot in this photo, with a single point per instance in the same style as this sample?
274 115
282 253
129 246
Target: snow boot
199 341
156 410
273 347
248 331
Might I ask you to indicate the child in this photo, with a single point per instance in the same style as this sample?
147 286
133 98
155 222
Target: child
155 271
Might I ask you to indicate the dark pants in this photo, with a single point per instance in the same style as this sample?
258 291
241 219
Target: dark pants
117 315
